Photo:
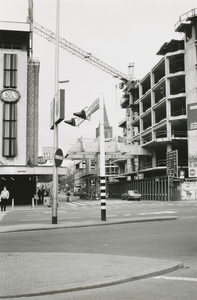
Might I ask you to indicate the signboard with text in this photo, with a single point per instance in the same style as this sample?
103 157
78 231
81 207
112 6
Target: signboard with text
192 139
47 152
172 163
57 108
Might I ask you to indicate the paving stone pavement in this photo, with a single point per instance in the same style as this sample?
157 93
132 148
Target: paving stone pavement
45 274
39 274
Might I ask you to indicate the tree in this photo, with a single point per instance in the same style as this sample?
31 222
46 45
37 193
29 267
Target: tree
67 181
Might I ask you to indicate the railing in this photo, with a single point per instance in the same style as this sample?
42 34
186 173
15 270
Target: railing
184 17
179 112
173 133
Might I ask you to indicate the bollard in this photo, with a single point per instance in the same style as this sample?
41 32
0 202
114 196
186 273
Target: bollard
12 203
32 205
36 198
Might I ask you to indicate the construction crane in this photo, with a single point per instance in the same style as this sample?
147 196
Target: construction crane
88 57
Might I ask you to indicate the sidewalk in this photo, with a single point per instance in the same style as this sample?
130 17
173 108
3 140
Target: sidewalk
42 274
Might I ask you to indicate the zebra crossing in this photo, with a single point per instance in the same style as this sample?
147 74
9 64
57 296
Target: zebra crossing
82 204
121 203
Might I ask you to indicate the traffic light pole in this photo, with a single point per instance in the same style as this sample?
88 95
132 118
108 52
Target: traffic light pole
102 161
55 132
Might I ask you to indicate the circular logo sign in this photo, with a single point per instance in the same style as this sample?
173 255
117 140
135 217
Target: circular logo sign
192 172
10 95
41 160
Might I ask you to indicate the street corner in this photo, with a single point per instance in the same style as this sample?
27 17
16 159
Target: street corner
65 272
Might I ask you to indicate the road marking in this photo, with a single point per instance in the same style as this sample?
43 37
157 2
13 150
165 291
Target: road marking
71 204
78 203
27 220
176 278
112 215
158 213
70 218
126 215
2 214
191 217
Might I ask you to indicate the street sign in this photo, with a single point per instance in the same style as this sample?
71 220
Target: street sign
59 106
58 157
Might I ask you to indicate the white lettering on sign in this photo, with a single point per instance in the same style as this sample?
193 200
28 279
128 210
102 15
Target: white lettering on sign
193 107
10 95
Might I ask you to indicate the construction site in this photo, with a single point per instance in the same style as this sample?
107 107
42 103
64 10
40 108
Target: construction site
156 153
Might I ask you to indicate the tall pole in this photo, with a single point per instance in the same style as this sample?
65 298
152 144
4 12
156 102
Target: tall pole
102 161
55 132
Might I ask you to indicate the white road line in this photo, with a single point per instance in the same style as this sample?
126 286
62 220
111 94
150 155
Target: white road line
78 203
191 217
2 214
158 213
176 278
27 220
69 218
71 204
112 215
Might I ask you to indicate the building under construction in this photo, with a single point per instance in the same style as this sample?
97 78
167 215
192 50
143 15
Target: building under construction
161 117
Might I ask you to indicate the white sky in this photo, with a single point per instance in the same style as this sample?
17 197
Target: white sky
115 31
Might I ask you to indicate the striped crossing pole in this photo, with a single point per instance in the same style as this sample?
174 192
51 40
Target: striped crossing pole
103 198
102 161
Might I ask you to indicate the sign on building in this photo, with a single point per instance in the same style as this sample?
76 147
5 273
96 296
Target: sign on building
192 138
172 163
47 153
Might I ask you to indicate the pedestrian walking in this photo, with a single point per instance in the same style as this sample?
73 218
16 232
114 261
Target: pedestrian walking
68 196
4 198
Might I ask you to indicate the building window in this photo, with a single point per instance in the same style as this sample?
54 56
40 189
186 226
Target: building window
10 70
10 109
9 129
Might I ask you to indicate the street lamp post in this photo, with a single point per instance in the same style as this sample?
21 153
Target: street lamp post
55 132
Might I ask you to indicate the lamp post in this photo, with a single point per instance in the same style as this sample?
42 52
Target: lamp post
55 132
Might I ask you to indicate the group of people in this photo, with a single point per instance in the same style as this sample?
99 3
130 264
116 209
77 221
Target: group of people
4 198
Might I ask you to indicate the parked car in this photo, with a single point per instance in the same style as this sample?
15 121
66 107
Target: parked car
131 195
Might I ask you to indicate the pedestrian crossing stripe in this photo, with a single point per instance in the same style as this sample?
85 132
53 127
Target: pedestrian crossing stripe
176 278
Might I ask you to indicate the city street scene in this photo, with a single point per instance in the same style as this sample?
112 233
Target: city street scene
98 159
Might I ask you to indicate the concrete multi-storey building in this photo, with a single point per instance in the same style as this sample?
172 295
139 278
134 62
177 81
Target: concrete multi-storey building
157 118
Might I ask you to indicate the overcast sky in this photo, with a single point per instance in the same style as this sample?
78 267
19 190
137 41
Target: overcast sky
115 31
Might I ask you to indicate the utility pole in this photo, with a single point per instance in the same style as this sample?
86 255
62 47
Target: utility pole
55 132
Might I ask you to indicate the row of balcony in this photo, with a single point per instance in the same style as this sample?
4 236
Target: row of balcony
161 163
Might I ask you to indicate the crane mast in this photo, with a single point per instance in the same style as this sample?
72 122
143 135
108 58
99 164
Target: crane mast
88 57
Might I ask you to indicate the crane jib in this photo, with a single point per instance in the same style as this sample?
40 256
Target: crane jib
50 36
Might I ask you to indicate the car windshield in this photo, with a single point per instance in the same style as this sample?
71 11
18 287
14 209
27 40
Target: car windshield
132 192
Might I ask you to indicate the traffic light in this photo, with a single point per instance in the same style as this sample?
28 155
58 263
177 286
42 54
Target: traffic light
81 114
71 122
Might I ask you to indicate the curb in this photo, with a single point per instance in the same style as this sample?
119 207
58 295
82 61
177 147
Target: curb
34 227
157 268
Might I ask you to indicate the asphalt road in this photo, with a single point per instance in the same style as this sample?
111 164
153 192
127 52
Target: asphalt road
170 240
79 210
